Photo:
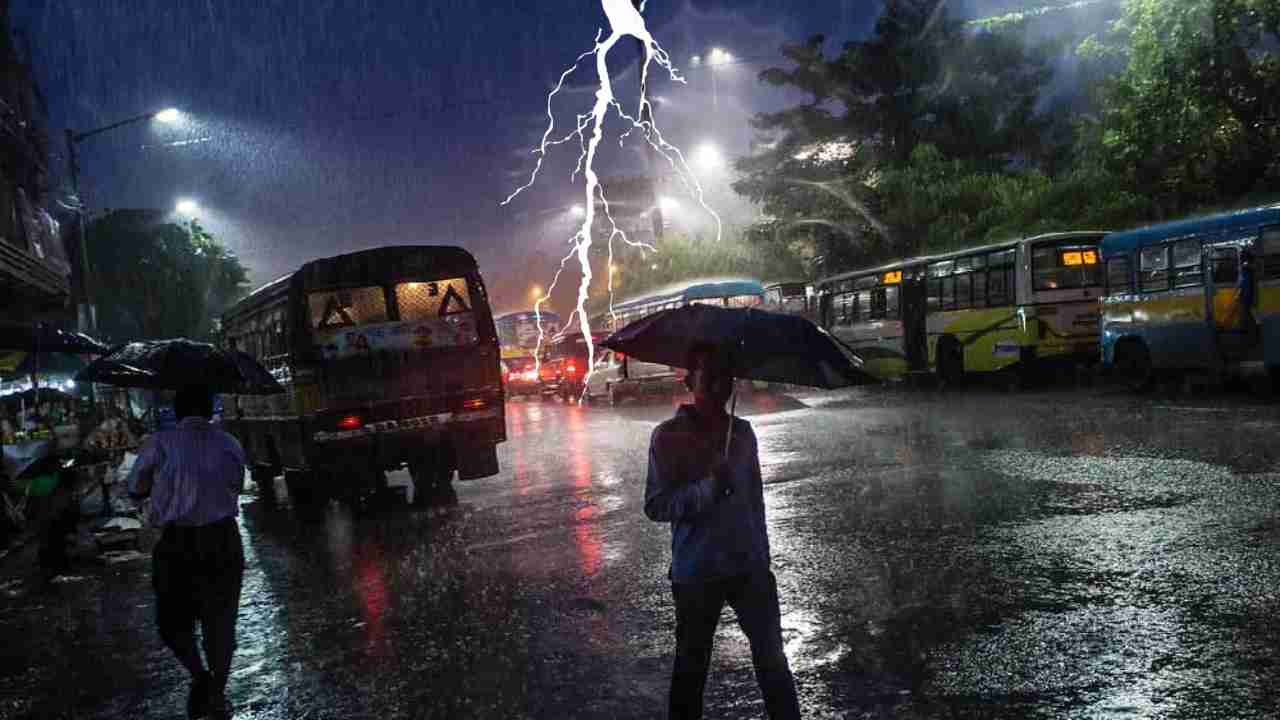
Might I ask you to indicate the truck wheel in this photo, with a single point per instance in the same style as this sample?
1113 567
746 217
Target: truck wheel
264 477
433 480
305 493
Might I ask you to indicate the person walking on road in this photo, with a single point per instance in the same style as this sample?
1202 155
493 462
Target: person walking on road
194 474
714 501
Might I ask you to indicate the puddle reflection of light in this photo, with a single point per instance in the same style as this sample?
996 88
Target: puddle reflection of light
586 531
520 473
371 587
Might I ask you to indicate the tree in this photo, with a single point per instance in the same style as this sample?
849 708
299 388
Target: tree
1192 117
158 279
922 77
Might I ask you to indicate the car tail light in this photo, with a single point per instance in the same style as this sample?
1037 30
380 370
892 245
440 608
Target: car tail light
350 422
474 404
571 369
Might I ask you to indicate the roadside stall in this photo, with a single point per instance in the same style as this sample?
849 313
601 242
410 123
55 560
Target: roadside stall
44 418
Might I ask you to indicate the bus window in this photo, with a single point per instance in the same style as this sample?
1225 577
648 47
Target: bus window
1187 271
350 307
964 292
948 293
1000 278
429 300
1225 267
979 288
1270 253
935 294
891 308
1118 276
742 301
1154 266
1065 267
866 310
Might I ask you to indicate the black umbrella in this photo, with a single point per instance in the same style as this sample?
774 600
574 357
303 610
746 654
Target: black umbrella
43 338
760 345
174 364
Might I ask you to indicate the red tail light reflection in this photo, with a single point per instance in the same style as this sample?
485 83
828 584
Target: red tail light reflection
350 422
474 404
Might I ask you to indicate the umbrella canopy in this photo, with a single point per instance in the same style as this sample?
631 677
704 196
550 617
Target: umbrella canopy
22 364
175 364
768 346
43 338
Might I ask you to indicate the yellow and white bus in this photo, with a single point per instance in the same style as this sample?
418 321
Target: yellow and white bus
1009 306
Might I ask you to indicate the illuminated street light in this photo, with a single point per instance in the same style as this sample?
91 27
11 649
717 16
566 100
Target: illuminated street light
578 211
668 205
169 115
719 57
535 292
187 206
707 156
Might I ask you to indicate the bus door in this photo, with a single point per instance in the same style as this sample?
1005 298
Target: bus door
915 343
1223 313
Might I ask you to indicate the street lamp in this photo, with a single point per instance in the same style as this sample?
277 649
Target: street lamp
187 206
668 205
578 211
707 156
535 292
86 314
716 58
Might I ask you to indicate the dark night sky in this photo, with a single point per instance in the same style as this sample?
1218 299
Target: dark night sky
335 126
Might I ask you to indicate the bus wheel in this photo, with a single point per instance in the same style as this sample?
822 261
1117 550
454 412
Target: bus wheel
950 361
1133 363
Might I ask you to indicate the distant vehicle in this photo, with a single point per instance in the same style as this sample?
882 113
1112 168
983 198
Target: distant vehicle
727 293
518 331
564 366
1180 297
617 378
389 358
521 376
788 297
1011 306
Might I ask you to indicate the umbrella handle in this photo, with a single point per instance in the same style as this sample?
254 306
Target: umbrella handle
733 409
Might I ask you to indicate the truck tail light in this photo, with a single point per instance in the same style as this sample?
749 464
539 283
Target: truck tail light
571 369
474 404
351 422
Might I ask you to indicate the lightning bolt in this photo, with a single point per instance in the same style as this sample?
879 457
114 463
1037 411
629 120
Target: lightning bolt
625 21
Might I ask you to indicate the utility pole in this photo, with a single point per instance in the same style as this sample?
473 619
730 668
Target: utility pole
86 313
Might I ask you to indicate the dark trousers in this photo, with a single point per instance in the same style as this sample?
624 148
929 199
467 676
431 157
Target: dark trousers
755 600
196 572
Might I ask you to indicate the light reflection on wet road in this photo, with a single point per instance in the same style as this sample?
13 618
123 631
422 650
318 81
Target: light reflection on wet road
978 555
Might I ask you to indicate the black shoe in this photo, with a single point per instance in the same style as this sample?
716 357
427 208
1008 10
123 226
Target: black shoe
219 708
198 699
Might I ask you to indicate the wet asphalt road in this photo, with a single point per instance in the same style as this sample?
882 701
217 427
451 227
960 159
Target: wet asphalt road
984 554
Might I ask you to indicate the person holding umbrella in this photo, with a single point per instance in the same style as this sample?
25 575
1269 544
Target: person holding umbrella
194 474
704 479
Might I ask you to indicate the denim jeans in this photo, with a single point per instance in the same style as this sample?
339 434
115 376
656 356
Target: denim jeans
755 600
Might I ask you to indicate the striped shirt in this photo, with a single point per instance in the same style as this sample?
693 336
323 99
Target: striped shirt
194 474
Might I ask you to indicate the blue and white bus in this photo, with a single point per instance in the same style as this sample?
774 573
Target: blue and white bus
1195 295
741 292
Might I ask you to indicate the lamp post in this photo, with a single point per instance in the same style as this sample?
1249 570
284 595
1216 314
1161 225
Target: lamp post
86 313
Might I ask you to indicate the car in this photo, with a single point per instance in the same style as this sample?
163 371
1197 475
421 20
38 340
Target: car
520 376
564 366
617 377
